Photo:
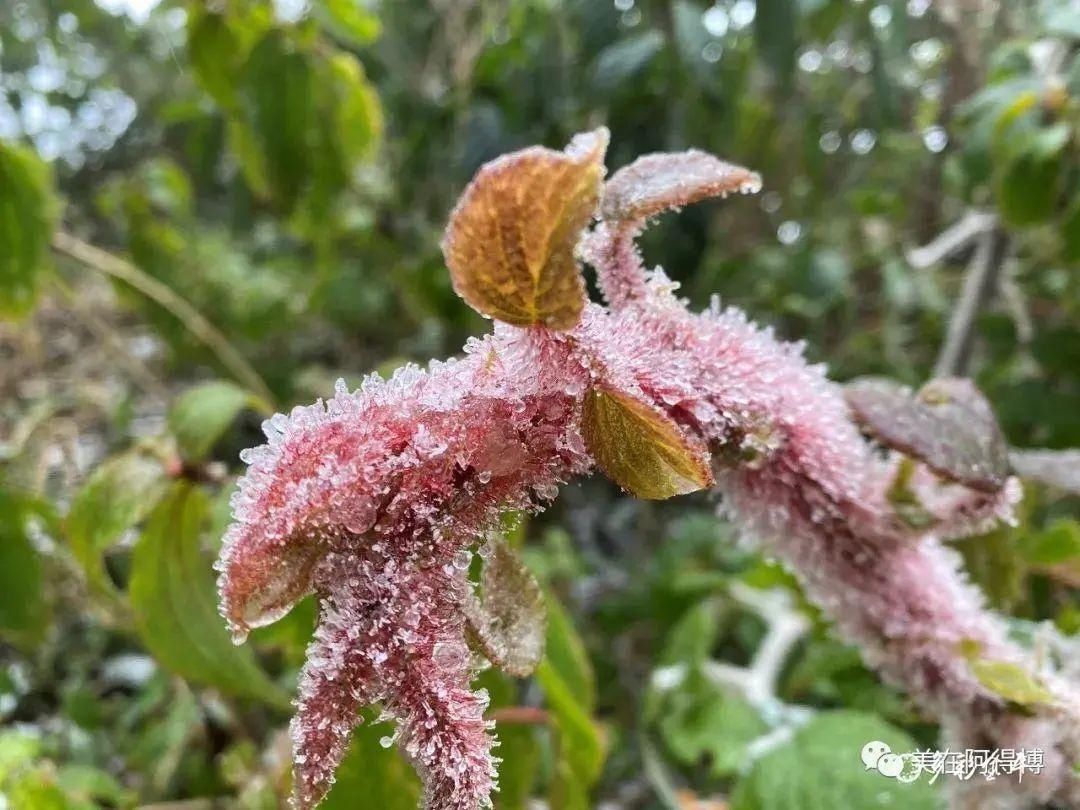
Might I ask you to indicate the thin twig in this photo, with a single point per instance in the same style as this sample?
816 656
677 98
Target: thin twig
520 716
108 337
980 282
970 226
104 262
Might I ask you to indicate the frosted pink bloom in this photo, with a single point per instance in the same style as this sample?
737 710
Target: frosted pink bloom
376 499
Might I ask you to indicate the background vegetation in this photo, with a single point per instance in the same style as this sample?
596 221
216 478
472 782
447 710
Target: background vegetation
209 211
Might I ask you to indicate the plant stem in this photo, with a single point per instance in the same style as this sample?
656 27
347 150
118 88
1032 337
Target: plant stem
980 282
104 262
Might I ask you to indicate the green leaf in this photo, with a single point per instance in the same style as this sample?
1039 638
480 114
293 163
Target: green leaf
214 52
569 688
357 115
93 787
994 563
1012 682
372 775
118 495
348 20
276 96
518 748
821 767
201 415
23 614
700 722
176 605
1028 188
520 756
18 749
507 619
27 211
1059 543
566 652
579 749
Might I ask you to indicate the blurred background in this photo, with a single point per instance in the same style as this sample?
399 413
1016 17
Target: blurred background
211 210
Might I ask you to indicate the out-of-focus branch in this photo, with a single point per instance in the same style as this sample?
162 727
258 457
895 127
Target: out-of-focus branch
980 282
520 716
104 262
960 233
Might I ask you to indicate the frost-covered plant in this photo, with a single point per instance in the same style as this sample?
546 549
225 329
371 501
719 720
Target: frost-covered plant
376 499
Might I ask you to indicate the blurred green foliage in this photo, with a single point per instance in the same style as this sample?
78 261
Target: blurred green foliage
287 170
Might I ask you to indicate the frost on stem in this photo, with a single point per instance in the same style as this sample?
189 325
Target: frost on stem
376 499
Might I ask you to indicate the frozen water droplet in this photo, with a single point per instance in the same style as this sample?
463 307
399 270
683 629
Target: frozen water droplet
239 637
387 741
463 559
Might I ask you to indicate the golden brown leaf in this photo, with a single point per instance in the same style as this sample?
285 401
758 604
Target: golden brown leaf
510 240
641 449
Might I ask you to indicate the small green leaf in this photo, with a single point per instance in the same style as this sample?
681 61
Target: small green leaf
904 501
372 775
820 767
700 722
1012 682
519 747
566 652
276 97
214 52
1058 543
566 678
118 495
23 614
579 754
27 211
202 414
507 619
641 449
176 605
1028 188
349 20
357 115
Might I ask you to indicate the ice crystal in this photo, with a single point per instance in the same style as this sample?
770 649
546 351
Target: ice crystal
377 499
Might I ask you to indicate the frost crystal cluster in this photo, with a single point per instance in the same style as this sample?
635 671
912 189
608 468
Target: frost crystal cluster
376 499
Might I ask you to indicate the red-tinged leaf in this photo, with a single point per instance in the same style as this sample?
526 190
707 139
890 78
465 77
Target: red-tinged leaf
507 619
261 581
510 240
641 449
656 183
949 426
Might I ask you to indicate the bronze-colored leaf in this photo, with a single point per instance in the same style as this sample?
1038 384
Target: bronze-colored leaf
655 183
510 241
641 449
508 620
948 425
